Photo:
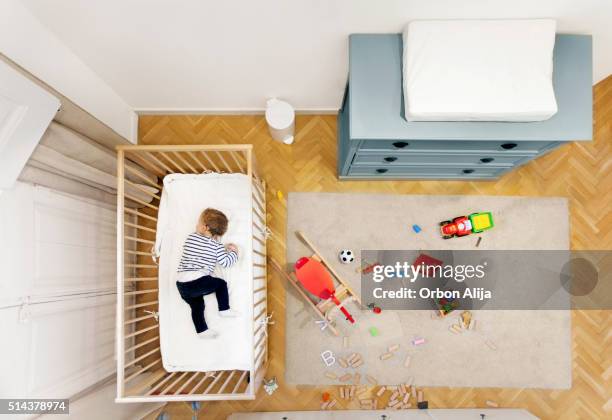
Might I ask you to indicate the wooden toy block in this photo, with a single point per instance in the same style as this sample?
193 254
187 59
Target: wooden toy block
358 363
346 377
407 361
423 405
491 344
325 405
455 329
371 380
342 362
352 393
356 378
331 375
492 404
381 391
386 356
406 398
420 396
345 342
393 348
361 389
342 392
466 318
413 391
352 358
394 395
402 389
332 403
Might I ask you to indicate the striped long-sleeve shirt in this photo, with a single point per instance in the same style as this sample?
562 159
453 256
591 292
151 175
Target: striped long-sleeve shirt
202 254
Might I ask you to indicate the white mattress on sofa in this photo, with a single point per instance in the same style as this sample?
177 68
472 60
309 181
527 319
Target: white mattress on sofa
183 199
479 70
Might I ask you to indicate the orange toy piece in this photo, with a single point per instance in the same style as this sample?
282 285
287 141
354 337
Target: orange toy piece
315 278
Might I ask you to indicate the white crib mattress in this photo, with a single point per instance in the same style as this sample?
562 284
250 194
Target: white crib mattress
183 199
479 70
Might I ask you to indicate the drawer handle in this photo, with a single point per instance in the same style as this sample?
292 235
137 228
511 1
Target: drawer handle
508 146
381 171
400 144
390 159
487 160
468 171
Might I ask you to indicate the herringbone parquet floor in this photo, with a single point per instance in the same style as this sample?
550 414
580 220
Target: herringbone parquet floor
582 172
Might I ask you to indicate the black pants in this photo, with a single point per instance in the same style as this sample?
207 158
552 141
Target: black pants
193 293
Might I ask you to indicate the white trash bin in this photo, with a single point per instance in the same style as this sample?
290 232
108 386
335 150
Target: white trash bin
280 117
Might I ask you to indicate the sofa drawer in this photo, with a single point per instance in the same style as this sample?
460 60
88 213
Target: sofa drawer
477 160
425 172
455 146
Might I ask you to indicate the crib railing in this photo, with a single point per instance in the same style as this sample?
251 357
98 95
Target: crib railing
140 374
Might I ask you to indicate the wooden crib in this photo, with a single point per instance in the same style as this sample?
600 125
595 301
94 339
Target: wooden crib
140 374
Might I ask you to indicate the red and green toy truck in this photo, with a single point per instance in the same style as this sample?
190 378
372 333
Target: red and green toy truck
465 225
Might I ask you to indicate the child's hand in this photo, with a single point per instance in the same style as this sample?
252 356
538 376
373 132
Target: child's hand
232 247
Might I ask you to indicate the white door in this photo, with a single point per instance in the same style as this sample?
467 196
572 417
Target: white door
57 292
26 110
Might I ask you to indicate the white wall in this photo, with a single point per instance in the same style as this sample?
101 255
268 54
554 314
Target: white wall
24 40
232 54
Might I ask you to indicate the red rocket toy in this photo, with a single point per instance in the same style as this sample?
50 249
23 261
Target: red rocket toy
315 278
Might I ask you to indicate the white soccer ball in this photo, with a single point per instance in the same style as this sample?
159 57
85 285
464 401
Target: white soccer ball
346 256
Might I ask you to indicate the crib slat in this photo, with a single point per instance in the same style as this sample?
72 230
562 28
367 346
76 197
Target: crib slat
144 203
141 176
259 302
146 164
195 158
143 241
187 382
201 381
171 385
144 356
213 383
140 227
127 279
127 251
210 161
229 377
141 265
143 190
137 389
139 345
180 157
144 369
140 292
242 377
161 383
141 305
144 330
142 318
233 155
159 162
172 161
229 169
137 213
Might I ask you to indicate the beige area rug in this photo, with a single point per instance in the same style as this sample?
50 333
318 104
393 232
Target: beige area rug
532 348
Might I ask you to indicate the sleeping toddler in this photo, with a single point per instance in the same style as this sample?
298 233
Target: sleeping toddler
202 251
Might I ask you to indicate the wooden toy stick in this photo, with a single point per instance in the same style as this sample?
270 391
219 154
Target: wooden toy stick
371 380
331 375
386 356
346 377
393 348
407 361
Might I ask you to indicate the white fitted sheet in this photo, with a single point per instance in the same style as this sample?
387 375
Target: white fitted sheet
183 199
479 70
